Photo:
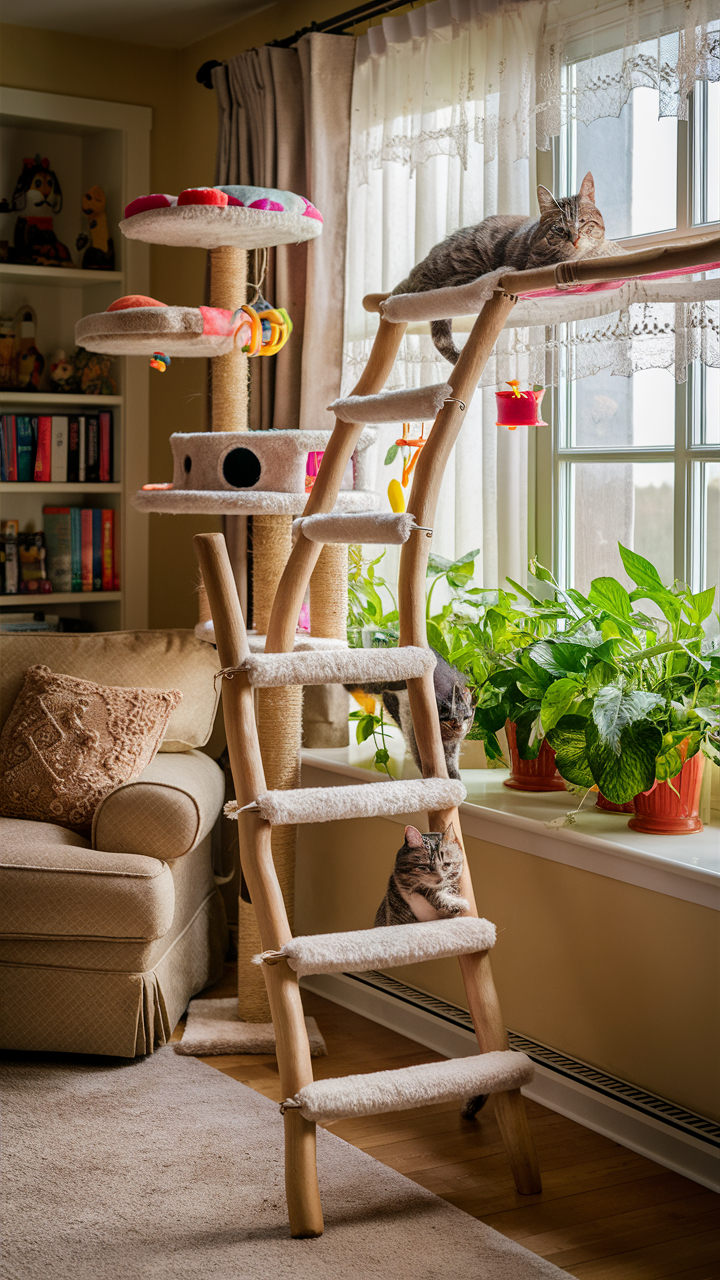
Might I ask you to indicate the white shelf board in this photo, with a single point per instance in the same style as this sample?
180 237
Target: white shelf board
36 601
58 486
59 398
56 277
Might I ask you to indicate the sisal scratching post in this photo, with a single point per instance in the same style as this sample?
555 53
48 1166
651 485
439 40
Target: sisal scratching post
326 706
229 374
272 542
229 383
329 593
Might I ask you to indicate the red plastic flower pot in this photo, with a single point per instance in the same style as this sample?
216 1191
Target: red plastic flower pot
521 410
663 811
532 775
608 807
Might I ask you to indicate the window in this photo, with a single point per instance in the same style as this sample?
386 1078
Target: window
636 459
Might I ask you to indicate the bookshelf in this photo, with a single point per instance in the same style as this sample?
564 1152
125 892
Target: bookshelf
87 142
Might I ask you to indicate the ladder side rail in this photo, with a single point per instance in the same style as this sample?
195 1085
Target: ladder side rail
476 969
323 496
293 1051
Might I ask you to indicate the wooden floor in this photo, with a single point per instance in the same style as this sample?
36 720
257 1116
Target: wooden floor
604 1213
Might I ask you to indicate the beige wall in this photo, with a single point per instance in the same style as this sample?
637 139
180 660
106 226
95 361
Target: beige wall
618 976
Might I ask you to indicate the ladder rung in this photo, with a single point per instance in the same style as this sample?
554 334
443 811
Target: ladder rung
368 800
256 643
442 304
385 947
411 404
346 666
371 526
365 1095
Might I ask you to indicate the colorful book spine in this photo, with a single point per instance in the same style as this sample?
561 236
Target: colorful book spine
59 450
82 438
43 453
25 448
108 547
92 448
3 455
116 550
58 540
86 547
10 445
97 546
76 548
106 447
73 449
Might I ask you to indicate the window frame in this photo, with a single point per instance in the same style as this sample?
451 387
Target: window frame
550 460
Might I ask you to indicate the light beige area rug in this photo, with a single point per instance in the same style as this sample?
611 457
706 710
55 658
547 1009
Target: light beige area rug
166 1169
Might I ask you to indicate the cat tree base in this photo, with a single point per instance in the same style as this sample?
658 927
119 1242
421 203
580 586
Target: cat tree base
213 1027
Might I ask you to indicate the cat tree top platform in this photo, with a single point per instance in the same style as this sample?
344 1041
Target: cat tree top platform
210 217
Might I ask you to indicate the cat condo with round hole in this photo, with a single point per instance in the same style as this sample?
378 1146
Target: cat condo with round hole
251 472
210 217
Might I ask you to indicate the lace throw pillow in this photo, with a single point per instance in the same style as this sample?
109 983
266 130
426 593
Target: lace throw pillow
68 742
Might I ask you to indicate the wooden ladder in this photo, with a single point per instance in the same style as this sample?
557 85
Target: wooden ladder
496 1069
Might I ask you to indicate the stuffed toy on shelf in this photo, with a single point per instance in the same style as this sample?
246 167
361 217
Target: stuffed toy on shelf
29 363
99 250
37 196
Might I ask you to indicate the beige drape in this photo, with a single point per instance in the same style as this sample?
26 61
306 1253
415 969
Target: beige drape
284 121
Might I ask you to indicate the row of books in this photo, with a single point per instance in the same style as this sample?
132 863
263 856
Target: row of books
60 448
78 550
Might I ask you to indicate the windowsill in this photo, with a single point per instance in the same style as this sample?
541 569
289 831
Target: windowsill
686 867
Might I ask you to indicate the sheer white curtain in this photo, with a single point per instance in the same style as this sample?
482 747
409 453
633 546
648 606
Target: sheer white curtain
442 136
449 104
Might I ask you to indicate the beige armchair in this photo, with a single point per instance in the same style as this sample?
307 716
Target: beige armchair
104 941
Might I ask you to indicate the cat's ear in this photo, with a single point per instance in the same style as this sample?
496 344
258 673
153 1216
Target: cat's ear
587 188
413 838
449 836
546 200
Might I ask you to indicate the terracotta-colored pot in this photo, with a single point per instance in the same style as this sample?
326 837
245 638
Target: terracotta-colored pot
532 775
608 807
661 811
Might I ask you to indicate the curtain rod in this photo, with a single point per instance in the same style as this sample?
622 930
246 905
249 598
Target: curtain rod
337 24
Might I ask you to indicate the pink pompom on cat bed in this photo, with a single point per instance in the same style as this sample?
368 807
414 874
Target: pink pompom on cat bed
208 217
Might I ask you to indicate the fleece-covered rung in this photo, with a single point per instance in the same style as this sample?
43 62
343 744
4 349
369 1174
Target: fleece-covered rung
419 1086
385 947
344 666
368 800
368 526
417 404
442 304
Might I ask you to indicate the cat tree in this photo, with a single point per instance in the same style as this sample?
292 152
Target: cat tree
235 473
495 1070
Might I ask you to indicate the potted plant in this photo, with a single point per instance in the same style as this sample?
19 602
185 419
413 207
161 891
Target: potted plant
633 713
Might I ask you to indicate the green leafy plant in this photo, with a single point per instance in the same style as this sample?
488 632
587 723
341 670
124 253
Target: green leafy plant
369 724
366 608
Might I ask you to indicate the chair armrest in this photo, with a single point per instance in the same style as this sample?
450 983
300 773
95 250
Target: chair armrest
164 812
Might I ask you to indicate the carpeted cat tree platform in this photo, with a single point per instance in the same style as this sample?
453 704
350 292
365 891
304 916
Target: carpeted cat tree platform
232 472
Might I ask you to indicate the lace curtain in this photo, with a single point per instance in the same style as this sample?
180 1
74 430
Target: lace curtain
615 48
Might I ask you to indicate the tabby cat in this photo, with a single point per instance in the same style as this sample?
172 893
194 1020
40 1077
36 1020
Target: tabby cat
455 704
425 878
571 227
